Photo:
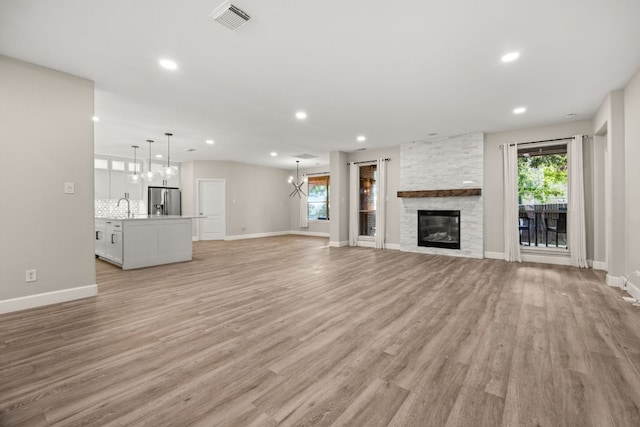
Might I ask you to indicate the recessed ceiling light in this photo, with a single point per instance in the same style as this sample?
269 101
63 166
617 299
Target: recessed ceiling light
158 156
95 118
510 57
570 115
519 110
191 149
466 181
361 138
301 115
210 141
273 154
168 64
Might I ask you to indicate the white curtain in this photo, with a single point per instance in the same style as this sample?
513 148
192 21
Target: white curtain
381 204
354 197
576 234
510 200
304 198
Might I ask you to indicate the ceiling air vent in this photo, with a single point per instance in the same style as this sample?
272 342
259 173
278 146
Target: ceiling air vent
229 15
305 156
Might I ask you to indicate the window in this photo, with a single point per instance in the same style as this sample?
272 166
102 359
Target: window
100 163
137 167
542 195
117 165
367 203
318 201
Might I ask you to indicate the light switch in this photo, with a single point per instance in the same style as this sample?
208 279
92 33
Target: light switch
69 188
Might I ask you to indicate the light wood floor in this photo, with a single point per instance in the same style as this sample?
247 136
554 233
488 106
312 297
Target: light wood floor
286 331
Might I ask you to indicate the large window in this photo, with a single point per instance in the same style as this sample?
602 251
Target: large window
542 195
318 201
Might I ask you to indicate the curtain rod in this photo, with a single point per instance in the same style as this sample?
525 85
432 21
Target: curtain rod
367 161
543 140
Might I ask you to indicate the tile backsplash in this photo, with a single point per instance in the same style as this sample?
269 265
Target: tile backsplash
106 207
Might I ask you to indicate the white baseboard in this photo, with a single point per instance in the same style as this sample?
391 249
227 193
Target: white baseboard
338 244
392 246
615 281
633 290
494 255
309 233
257 235
47 298
195 239
599 265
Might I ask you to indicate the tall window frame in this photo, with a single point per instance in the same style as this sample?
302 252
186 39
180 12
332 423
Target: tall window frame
542 208
318 197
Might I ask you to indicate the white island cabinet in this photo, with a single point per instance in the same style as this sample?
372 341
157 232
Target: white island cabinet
144 241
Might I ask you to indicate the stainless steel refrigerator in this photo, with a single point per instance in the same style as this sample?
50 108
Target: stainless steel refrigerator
164 201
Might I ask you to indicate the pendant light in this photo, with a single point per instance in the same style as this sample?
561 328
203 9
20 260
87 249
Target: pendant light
134 177
168 171
297 185
149 175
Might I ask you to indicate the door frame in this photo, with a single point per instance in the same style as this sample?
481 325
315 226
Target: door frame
224 185
364 240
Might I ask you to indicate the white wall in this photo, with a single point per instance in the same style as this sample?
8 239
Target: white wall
256 196
46 135
608 126
632 173
339 225
493 218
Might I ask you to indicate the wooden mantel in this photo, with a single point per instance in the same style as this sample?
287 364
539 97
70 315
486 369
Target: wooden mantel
458 192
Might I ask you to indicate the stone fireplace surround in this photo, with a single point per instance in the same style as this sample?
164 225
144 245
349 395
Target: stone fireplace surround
449 163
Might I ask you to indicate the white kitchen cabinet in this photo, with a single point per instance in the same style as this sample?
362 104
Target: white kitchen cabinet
100 238
101 184
113 250
120 185
145 241
157 241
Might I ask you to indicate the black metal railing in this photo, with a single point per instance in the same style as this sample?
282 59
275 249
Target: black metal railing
543 225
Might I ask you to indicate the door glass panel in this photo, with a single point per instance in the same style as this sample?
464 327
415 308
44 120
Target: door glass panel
367 203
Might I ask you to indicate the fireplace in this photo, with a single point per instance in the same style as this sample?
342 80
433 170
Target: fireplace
440 229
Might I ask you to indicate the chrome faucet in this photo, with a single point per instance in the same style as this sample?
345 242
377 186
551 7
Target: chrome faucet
128 205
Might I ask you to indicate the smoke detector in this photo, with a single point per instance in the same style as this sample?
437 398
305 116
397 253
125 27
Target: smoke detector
229 15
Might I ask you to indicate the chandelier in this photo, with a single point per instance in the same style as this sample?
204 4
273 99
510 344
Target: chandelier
297 184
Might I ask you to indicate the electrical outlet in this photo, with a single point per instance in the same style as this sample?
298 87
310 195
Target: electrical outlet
31 275
69 187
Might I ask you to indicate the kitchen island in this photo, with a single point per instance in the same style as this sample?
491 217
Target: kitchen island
136 241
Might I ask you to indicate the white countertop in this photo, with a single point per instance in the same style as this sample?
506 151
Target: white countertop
143 217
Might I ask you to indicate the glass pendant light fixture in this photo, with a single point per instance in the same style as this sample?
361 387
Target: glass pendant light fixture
134 177
297 184
149 175
168 171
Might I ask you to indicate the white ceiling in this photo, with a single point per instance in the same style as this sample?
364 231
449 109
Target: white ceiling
395 71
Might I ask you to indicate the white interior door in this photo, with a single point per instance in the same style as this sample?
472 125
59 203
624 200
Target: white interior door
211 205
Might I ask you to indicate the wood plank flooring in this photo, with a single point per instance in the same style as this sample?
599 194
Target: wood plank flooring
286 331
